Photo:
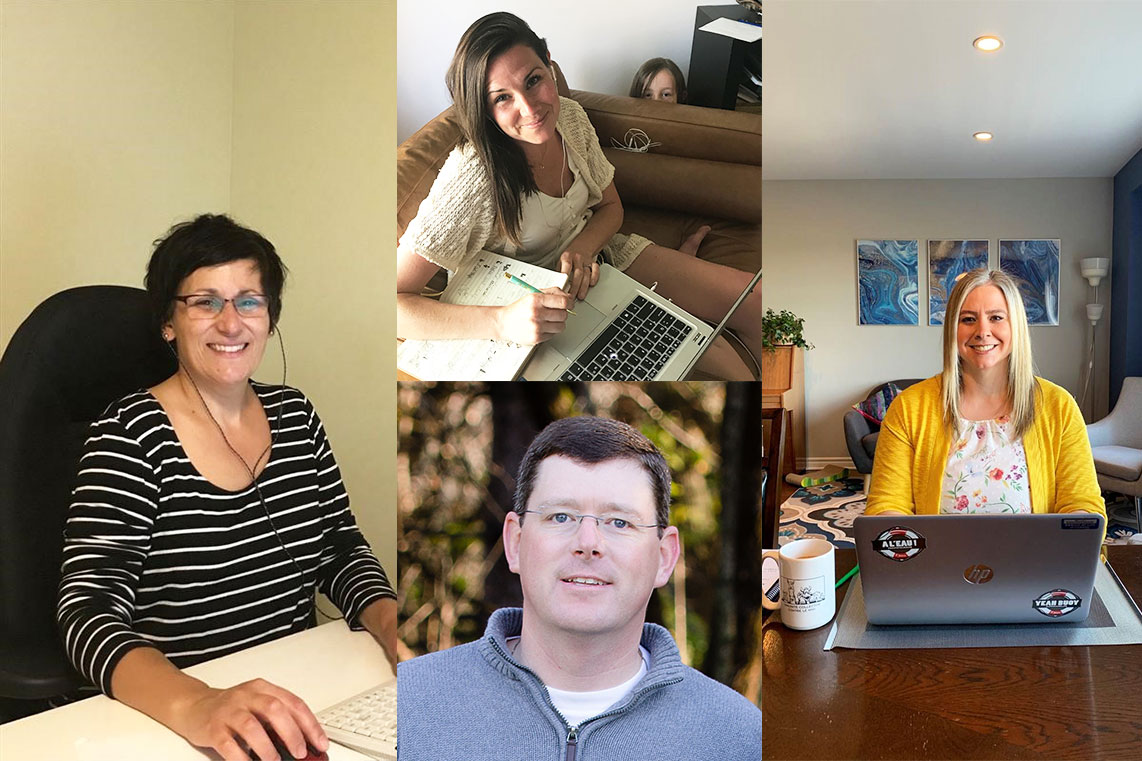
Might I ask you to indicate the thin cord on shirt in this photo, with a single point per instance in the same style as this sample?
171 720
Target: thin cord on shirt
253 477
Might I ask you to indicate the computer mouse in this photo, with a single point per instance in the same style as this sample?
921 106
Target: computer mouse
312 754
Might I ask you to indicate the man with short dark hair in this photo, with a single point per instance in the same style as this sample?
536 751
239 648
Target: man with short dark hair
577 673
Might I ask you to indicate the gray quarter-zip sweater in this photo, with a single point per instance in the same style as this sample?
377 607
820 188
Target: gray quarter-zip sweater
476 702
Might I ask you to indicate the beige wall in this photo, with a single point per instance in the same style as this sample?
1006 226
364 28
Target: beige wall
115 122
810 268
313 168
122 117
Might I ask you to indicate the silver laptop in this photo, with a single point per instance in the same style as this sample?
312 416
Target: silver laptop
976 569
626 331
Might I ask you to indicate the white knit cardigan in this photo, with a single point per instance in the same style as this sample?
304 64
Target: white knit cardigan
457 220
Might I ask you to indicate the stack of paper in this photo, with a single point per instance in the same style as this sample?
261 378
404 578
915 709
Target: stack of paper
480 281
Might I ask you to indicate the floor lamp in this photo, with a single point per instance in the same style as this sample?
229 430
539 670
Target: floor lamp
1094 269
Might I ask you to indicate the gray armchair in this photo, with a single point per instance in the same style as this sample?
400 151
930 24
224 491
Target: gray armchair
1116 443
861 433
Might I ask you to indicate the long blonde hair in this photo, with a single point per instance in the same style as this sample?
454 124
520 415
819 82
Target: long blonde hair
1021 386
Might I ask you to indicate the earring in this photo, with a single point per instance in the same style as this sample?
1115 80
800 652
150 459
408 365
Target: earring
168 335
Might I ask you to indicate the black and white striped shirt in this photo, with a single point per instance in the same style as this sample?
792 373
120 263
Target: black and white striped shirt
156 555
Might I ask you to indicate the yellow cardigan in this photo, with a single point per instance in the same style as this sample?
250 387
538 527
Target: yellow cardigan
912 453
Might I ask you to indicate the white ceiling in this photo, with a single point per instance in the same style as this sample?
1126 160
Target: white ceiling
891 89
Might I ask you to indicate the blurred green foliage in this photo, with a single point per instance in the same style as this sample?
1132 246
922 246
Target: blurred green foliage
449 518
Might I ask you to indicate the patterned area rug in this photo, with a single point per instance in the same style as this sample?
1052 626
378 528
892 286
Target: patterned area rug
1120 520
828 511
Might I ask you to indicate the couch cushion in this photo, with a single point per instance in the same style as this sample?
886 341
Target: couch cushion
695 186
733 244
1118 462
418 162
710 134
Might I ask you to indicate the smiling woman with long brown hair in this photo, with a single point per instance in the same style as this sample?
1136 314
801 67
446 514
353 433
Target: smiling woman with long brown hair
530 181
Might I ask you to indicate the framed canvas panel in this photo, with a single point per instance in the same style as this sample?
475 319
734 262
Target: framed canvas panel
888 282
947 260
1035 266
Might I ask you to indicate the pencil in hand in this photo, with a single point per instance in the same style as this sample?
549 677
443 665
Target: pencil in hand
527 286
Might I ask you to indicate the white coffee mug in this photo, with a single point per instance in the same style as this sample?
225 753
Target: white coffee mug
808 578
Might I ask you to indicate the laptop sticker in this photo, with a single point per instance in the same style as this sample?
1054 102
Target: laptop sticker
899 543
1081 523
1057 602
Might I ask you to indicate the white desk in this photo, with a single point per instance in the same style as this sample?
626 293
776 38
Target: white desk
322 666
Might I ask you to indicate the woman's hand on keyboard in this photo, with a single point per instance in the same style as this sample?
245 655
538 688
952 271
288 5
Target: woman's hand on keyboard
234 722
582 272
534 318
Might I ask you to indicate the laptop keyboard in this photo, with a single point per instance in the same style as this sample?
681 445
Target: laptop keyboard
366 722
635 346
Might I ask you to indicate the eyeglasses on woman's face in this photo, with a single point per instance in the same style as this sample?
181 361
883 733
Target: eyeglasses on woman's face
207 306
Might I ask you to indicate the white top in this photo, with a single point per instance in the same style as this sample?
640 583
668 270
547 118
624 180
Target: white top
577 707
986 470
548 224
457 220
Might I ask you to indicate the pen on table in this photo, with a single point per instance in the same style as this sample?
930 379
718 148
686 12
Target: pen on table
527 286
853 572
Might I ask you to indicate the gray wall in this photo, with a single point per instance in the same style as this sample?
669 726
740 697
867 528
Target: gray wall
810 268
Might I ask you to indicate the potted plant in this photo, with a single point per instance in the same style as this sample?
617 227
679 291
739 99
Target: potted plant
781 332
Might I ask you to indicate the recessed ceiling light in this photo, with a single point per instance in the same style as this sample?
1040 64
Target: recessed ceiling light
989 43
983 137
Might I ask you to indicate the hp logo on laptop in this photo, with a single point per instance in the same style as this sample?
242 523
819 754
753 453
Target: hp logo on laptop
978 574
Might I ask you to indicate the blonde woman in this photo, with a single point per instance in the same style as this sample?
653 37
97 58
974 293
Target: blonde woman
986 435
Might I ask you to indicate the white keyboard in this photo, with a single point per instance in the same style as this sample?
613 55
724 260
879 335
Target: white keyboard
365 722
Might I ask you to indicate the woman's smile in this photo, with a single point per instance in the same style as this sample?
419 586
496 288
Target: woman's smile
522 98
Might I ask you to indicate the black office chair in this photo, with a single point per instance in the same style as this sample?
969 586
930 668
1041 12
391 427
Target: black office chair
76 353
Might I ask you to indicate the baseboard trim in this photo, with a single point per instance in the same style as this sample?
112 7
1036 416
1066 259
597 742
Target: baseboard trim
805 464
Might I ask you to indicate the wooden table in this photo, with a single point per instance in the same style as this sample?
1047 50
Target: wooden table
998 703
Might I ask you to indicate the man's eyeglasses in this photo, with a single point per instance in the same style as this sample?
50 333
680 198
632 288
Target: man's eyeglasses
566 523
208 306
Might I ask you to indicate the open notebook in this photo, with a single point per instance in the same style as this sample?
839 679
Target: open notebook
480 281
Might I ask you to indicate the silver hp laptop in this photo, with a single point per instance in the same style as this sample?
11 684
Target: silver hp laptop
978 569
625 331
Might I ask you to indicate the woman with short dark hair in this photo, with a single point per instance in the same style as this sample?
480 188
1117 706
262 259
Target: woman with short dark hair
209 509
530 181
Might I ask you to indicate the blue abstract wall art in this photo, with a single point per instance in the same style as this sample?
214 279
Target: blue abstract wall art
888 278
947 260
1035 266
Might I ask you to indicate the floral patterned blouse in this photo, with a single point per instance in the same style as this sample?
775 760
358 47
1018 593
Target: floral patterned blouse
986 471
